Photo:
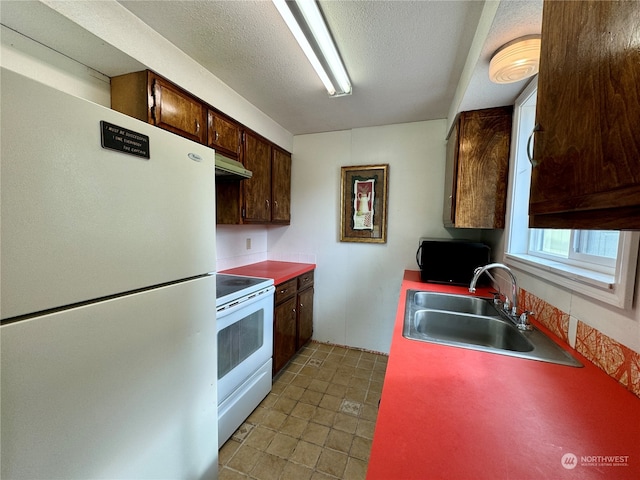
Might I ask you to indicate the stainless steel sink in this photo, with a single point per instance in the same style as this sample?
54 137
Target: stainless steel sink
469 329
474 323
454 303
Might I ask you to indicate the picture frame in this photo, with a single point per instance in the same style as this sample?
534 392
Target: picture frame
363 203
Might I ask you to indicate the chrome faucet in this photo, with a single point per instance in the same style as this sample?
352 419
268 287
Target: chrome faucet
511 308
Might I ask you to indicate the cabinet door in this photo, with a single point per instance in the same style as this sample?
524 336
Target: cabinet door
281 187
177 112
223 134
586 151
305 317
257 189
284 333
450 179
480 168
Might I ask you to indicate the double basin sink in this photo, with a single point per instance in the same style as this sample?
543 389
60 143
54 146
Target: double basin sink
475 323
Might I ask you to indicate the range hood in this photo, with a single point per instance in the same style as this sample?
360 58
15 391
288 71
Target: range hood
230 169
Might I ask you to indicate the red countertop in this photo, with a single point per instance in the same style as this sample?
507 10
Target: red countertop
279 271
453 413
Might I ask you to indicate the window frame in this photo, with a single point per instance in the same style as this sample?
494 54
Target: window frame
574 255
614 287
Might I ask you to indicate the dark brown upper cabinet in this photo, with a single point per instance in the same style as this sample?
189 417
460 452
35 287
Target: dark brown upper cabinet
586 158
476 169
280 186
223 134
265 198
150 98
257 189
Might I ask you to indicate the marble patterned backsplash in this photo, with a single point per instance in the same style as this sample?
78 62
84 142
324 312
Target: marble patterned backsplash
614 358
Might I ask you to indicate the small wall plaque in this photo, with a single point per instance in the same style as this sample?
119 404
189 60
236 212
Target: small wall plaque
124 140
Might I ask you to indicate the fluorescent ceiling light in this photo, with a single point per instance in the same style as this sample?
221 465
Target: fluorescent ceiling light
305 21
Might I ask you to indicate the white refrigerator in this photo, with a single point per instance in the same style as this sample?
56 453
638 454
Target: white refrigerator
108 336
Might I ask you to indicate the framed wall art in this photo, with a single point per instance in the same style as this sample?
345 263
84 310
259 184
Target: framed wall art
363 203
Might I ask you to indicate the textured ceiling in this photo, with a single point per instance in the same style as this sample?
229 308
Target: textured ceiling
404 58
514 19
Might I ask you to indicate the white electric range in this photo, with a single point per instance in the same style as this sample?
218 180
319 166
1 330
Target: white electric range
244 318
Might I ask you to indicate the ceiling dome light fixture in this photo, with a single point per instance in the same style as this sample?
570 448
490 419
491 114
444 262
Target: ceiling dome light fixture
516 60
304 19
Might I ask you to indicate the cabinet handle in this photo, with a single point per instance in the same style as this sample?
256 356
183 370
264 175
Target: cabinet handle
533 162
275 203
267 203
217 135
301 305
197 127
284 290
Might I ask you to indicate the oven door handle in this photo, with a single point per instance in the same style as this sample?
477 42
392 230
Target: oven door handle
228 309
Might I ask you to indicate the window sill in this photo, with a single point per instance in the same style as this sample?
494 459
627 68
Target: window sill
535 264
593 285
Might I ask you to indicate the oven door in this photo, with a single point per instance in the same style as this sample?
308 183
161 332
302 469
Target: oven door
245 341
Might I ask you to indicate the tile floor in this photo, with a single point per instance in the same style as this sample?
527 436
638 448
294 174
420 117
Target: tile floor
317 423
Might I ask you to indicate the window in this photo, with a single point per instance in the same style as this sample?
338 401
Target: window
600 264
593 249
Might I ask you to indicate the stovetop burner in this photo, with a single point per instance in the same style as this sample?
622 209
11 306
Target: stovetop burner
232 287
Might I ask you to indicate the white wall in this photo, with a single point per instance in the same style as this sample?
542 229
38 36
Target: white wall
34 60
357 284
232 246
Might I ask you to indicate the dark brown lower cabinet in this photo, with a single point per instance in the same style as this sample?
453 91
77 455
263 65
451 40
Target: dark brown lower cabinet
292 319
304 317
284 333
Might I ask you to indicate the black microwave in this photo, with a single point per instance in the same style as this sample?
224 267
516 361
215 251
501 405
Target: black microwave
451 261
